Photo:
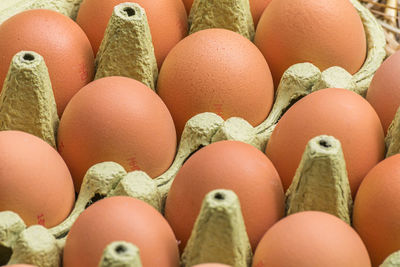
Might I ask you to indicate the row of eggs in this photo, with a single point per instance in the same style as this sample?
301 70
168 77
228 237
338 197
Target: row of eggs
216 67
212 70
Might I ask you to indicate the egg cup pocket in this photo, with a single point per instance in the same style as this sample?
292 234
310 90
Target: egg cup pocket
376 53
10 8
33 245
392 260
232 15
392 138
11 225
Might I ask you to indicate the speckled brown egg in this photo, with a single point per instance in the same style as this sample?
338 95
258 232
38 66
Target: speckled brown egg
384 91
34 180
326 33
311 238
62 43
121 219
337 112
376 212
229 165
216 70
167 21
116 119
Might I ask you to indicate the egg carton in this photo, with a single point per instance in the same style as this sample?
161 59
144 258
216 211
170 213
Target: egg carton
219 233
43 247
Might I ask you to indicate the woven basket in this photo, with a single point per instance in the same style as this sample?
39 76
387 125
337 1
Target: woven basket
387 13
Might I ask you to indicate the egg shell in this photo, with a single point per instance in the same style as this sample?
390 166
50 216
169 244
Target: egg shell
384 91
120 219
62 43
116 119
34 180
376 212
256 7
340 113
311 238
216 70
229 165
296 31
167 20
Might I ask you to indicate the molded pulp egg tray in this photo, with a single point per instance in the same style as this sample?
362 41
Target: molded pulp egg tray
43 247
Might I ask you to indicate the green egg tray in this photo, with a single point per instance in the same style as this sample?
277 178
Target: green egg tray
43 247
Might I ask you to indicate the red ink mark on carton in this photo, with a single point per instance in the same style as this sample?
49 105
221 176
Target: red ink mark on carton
217 109
40 219
260 264
83 72
133 164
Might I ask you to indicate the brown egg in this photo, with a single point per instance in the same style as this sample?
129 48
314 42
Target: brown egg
295 31
383 93
376 212
219 71
336 112
62 43
34 180
226 165
311 238
121 219
167 20
256 7
116 119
